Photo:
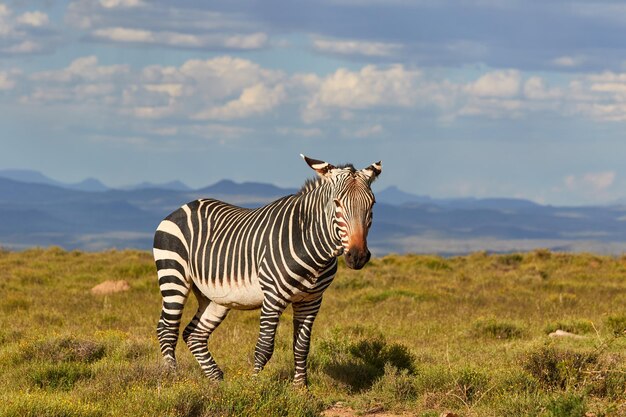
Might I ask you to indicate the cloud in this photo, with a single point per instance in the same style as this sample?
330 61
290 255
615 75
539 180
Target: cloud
181 40
164 24
363 132
35 19
110 4
7 79
592 183
370 87
356 47
254 100
535 89
496 84
296 131
25 34
568 61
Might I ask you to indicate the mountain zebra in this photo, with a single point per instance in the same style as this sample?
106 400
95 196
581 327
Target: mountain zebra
285 252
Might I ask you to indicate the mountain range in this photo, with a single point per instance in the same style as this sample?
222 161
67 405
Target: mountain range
38 211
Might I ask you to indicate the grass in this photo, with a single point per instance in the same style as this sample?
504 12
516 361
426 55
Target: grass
420 335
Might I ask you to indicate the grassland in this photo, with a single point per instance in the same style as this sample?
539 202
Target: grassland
419 335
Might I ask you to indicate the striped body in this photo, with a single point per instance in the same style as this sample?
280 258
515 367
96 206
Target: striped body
238 258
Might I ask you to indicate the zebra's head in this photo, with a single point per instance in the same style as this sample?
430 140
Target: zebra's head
351 206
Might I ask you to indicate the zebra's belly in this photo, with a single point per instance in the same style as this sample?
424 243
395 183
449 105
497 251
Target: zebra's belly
239 296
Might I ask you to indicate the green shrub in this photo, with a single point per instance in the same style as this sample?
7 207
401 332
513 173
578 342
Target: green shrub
471 384
497 329
359 363
61 376
64 349
616 324
559 368
568 405
572 326
509 260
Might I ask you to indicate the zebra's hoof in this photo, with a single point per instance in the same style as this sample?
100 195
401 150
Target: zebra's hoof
301 383
169 364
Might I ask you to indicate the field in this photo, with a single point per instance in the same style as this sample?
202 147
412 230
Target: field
407 335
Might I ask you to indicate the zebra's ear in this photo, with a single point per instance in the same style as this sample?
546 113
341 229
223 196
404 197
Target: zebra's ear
322 168
373 171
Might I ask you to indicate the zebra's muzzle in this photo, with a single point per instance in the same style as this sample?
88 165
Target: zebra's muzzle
357 259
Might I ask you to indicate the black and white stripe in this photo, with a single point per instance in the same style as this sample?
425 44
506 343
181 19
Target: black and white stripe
280 254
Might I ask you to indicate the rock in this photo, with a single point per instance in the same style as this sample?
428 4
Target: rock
563 333
110 287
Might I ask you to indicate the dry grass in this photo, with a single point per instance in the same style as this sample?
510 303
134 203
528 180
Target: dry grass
417 335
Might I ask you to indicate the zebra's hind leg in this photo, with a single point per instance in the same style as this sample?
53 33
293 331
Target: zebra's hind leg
197 332
174 290
304 314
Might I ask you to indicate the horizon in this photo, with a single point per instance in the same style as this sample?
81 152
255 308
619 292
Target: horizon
6 174
458 99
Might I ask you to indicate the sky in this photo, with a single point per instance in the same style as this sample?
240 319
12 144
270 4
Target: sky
458 98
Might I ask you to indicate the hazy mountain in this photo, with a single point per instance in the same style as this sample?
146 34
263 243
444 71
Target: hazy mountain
172 185
228 187
27 175
38 214
394 196
36 177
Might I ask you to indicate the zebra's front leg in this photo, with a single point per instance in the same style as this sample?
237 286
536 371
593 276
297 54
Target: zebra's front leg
270 314
197 332
304 314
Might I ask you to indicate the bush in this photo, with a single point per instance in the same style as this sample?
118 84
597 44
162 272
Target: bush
572 326
569 405
616 324
61 376
64 349
555 368
497 329
471 384
359 363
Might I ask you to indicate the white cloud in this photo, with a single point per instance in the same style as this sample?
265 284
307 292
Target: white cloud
84 68
110 4
505 83
35 19
363 132
367 88
568 61
22 35
590 183
119 34
254 100
179 39
164 24
296 131
7 79
535 89
356 47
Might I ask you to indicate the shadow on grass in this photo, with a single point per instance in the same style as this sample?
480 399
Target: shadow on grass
359 363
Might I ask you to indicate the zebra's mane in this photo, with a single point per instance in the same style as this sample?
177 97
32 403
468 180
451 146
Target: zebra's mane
313 183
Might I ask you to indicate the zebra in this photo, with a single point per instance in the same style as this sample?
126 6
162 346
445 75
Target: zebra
269 257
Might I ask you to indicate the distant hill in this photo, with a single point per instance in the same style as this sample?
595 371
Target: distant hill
39 214
172 185
36 177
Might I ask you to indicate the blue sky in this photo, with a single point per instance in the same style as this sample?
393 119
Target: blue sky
508 98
